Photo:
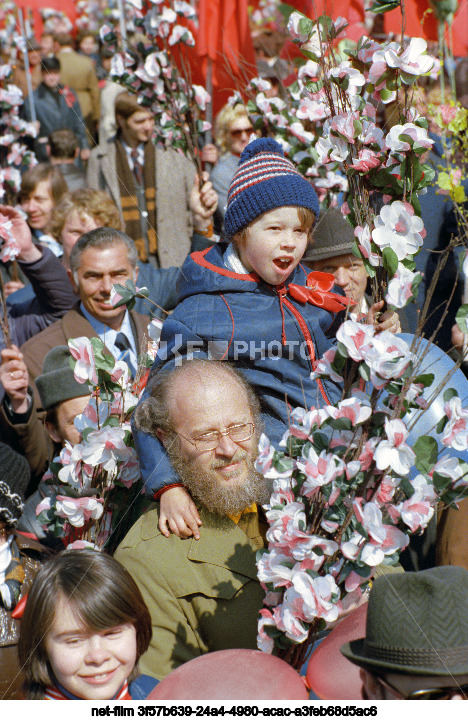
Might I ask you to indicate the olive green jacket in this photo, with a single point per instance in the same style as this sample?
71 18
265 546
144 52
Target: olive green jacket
202 595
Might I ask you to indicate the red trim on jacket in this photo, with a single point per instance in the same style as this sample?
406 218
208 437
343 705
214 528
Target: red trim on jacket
199 258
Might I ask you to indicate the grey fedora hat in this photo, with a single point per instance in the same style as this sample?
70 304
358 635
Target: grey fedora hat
417 623
332 236
57 382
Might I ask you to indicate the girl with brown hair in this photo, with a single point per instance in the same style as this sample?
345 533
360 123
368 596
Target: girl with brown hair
84 628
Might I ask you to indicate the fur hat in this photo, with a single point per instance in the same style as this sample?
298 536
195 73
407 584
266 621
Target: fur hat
57 382
265 180
417 623
333 236
14 478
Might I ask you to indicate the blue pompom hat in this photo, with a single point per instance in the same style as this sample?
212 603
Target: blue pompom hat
265 180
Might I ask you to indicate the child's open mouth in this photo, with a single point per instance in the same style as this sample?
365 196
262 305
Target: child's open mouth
283 263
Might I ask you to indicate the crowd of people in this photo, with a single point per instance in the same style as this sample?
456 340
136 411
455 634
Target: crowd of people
222 255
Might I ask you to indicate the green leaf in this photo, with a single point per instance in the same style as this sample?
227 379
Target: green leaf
449 393
390 261
426 451
384 6
441 424
426 379
461 317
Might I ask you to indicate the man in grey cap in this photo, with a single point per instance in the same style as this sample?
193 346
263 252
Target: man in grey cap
62 398
416 643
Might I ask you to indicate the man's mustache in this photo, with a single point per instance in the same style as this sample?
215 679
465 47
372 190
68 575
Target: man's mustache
239 455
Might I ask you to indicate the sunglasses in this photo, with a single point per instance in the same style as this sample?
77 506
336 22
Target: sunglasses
239 133
426 694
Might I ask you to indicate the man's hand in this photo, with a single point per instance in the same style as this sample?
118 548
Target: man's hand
203 203
14 378
387 321
11 286
209 154
178 514
458 340
22 234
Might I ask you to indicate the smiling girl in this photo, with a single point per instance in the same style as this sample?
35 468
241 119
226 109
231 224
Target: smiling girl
84 627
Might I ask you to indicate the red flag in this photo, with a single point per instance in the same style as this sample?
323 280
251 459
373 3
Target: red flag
421 24
66 6
224 38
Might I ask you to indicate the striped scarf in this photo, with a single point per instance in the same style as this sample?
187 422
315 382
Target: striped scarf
129 201
58 693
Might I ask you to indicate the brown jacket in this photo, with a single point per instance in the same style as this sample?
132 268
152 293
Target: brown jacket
452 536
77 71
72 325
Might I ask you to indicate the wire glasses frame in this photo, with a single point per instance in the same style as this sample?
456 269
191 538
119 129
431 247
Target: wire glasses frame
210 441
426 694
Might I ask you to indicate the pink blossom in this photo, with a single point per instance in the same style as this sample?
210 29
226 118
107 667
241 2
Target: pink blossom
386 490
264 642
365 246
324 368
201 96
44 505
448 113
394 453
397 227
184 8
276 568
412 62
356 337
455 432
85 367
366 52
79 510
81 545
419 136
417 511
387 358
319 596
346 70
301 421
450 467
265 455
320 470
310 69
344 125
352 409
107 447
296 20
399 289
366 160
287 617
354 581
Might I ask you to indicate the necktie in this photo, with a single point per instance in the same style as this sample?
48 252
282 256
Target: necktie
123 344
137 167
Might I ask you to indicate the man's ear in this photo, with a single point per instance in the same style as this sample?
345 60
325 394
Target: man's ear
162 435
72 281
52 431
371 686
135 273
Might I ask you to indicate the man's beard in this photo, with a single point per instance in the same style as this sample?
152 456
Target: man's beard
205 486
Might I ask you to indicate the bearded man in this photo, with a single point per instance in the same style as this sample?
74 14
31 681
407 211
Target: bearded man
203 594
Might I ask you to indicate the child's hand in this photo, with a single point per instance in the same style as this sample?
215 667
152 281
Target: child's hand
178 514
387 321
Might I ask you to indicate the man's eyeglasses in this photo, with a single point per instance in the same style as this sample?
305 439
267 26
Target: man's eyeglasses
240 132
210 441
426 694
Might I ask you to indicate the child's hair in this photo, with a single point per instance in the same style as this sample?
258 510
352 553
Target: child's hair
265 180
103 594
306 218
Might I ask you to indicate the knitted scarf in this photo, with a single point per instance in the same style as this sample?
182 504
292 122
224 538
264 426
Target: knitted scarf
59 693
129 201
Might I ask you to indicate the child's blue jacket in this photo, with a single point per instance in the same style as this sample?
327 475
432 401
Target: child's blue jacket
267 333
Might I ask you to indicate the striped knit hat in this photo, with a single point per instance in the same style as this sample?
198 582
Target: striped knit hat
265 180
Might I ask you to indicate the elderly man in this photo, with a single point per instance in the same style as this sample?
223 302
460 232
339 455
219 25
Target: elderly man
100 259
203 594
416 643
150 186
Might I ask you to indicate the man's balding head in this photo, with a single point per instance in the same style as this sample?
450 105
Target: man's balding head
207 417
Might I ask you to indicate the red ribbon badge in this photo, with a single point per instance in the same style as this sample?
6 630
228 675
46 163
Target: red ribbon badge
317 292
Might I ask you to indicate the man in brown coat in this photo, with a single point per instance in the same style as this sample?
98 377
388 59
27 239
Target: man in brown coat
100 259
77 71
